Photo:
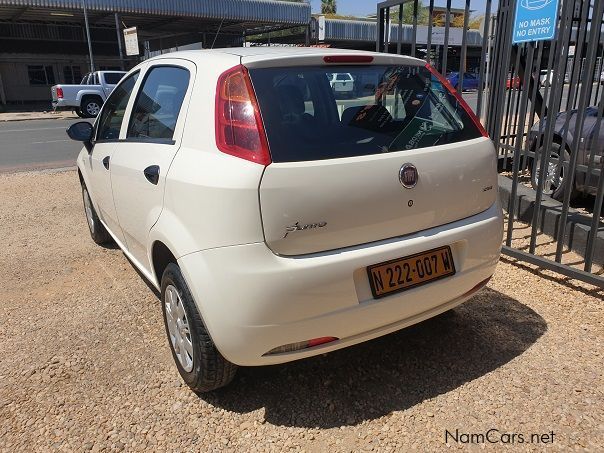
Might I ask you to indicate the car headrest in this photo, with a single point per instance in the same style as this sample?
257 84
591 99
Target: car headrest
291 100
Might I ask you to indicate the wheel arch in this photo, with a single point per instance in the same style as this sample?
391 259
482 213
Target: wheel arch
161 256
556 138
91 95
84 93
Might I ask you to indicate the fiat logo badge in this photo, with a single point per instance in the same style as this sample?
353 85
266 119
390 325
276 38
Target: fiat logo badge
408 176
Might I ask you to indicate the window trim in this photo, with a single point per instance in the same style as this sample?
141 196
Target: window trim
162 141
44 70
96 123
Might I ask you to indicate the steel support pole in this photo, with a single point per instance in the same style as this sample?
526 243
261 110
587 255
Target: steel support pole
399 39
483 58
464 47
414 35
88 36
118 32
446 44
429 40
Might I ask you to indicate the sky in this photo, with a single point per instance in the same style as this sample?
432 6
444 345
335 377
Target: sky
364 7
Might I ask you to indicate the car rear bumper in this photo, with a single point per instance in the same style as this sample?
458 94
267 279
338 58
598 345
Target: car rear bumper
252 300
61 104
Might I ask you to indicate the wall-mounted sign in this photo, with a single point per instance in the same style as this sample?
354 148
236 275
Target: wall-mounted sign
321 28
535 20
131 41
438 36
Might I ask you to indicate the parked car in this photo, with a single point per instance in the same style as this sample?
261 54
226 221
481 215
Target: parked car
546 77
87 98
272 233
341 83
470 81
513 82
590 147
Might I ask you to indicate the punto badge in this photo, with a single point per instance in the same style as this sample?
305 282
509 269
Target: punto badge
408 176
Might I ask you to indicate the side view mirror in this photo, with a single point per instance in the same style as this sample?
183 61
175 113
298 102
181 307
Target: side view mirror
81 132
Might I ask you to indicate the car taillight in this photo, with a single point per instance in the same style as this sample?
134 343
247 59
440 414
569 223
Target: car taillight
239 129
59 93
461 101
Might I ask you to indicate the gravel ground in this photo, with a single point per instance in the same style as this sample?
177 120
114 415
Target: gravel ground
84 363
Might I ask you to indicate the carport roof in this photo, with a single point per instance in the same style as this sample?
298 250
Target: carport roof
175 15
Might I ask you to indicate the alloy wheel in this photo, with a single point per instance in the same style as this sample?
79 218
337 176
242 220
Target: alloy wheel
178 327
93 109
88 210
554 177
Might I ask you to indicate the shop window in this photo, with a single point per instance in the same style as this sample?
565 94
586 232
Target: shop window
72 74
41 75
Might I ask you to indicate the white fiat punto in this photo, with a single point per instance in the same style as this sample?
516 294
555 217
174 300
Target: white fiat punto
279 221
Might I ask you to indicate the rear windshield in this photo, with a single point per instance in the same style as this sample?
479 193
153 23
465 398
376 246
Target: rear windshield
112 78
309 114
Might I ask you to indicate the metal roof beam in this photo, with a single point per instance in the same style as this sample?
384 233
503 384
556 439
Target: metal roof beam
99 17
159 23
257 11
19 13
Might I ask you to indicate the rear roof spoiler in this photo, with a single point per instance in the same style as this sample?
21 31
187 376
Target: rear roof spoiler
313 59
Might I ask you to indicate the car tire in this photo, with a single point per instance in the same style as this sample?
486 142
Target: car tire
91 106
553 188
199 363
98 232
79 113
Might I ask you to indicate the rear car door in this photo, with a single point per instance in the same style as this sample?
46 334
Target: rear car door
106 135
146 150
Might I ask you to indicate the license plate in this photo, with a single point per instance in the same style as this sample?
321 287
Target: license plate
411 271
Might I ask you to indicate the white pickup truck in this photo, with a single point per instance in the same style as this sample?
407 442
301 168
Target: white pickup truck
87 98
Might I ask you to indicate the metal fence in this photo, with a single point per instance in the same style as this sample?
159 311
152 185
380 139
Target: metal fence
542 104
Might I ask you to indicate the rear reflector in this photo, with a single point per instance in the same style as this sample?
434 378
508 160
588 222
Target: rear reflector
477 288
291 347
239 128
348 59
461 101
59 93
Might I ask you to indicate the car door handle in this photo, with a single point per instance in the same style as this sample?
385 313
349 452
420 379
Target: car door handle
106 162
152 174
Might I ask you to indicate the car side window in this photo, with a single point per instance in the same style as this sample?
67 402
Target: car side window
112 115
158 104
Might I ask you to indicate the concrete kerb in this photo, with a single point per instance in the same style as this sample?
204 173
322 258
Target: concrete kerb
578 225
28 116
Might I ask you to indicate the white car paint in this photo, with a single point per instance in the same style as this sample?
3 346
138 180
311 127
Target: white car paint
223 219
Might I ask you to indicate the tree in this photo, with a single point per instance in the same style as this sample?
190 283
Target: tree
473 23
476 22
422 14
328 7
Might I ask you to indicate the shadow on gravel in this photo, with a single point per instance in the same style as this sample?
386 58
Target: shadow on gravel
390 373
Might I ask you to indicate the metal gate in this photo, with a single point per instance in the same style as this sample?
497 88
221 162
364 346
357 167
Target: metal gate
542 104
